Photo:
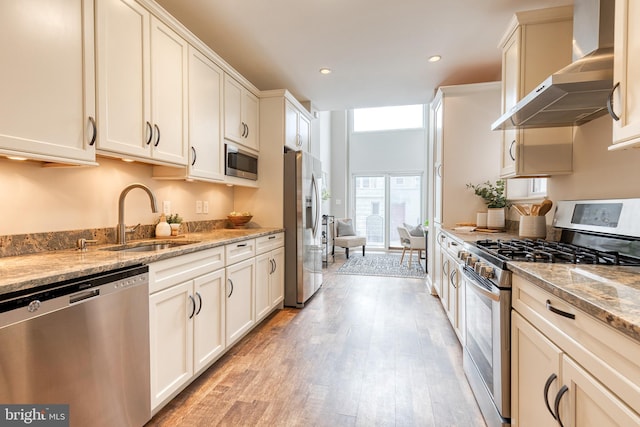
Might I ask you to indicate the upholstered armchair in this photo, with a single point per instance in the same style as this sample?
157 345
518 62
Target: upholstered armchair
412 243
346 237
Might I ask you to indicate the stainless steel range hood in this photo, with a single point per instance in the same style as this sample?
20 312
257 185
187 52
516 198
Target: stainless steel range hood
577 93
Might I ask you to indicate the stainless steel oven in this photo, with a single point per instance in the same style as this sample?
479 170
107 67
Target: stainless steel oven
487 351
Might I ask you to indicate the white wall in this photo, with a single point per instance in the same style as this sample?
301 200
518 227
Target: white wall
339 164
36 199
388 151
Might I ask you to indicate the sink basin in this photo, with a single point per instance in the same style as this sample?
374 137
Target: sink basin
147 247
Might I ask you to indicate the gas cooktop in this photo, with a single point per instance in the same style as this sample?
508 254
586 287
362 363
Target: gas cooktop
528 250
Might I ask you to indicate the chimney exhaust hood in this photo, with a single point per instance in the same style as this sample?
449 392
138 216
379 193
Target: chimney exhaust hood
577 93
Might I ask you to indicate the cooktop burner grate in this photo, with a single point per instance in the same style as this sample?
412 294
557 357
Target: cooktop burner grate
529 250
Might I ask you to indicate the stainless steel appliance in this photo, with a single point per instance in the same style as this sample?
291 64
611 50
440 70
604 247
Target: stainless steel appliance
82 342
303 241
604 232
240 163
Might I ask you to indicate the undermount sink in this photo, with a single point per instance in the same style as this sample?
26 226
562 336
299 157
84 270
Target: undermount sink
147 247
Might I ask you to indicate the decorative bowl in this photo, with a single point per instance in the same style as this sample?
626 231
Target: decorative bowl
239 221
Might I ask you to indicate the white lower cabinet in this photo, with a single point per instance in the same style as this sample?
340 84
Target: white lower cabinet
240 290
269 282
569 371
186 319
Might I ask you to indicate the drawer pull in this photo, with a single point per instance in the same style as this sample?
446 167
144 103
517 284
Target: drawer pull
559 312
272 237
241 245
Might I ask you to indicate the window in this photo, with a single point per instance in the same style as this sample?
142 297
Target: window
388 118
529 188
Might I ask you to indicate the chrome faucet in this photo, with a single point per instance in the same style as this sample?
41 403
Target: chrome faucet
122 229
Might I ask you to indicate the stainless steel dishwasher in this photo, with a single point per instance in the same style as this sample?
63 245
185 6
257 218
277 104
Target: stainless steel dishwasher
82 342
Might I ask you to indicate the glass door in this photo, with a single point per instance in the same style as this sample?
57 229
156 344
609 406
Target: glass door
384 202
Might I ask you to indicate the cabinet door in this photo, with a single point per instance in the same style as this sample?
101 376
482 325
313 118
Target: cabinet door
233 126
438 161
264 267
205 114
208 328
123 74
444 280
240 288
626 68
171 340
250 116
589 403
47 80
168 94
534 362
304 132
290 126
510 96
452 283
276 290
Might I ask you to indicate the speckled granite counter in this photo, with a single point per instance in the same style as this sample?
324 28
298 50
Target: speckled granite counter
31 271
608 293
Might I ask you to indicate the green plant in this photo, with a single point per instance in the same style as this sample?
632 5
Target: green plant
174 219
493 194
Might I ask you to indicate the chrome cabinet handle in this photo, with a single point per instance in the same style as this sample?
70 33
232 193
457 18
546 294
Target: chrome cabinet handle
511 150
231 283
554 310
200 301
247 135
610 103
158 132
452 277
94 135
547 385
439 171
556 405
193 306
195 156
150 133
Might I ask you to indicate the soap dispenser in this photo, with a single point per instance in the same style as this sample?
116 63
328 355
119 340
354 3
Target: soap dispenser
163 229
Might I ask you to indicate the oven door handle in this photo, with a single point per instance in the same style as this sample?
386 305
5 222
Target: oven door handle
481 290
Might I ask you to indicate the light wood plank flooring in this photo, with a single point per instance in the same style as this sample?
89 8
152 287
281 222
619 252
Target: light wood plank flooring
365 351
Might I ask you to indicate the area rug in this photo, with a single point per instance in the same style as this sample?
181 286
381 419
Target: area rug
373 264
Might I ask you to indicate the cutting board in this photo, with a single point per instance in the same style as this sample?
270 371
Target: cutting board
487 230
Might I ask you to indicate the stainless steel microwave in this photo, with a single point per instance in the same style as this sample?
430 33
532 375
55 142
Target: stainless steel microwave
240 163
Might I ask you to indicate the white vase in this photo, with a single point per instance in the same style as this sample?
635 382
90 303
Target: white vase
481 220
163 229
495 218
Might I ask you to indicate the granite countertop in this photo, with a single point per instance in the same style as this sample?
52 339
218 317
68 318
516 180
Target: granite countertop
22 272
608 293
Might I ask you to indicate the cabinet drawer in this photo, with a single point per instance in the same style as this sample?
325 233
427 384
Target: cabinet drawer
166 273
239 251
607 354
269 243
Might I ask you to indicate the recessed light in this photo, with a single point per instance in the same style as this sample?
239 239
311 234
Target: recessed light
325 70
20 159
435 58
128 160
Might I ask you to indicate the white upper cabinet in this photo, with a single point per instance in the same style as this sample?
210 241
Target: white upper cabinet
205 117
626 69
142 82
297 128
47 80
535 45
241 114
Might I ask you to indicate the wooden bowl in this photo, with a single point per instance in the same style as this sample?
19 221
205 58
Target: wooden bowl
239 221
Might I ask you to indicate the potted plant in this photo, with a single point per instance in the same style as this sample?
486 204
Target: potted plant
495 199
174 221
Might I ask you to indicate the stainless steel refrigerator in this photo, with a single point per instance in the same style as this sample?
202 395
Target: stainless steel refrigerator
302 222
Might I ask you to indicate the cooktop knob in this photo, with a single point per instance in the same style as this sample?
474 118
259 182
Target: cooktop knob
486 271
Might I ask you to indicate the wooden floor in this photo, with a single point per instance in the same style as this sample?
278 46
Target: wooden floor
365 351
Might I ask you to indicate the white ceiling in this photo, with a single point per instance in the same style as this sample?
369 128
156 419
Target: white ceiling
377 49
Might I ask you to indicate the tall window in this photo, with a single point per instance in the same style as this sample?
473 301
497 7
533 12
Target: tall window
388 118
